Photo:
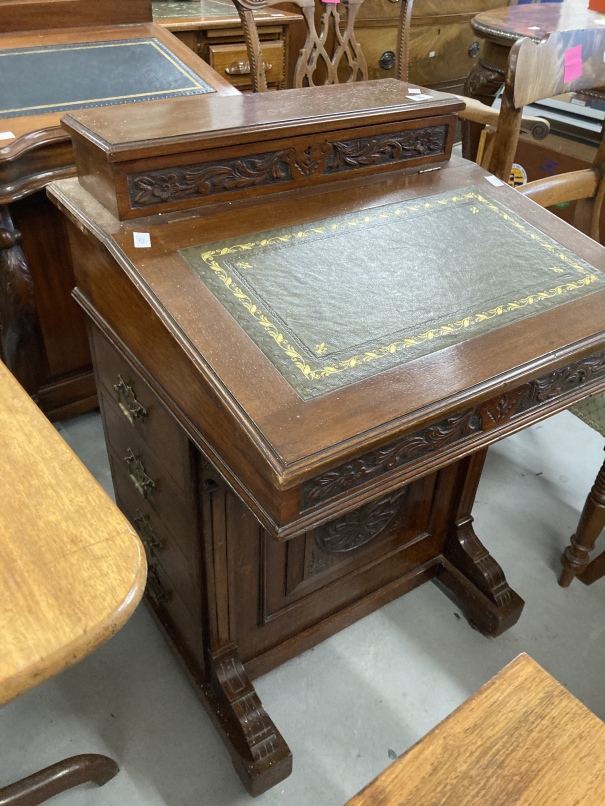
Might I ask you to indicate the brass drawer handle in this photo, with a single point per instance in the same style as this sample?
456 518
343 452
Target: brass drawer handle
145 531
155 590
129 405
243 68
138 476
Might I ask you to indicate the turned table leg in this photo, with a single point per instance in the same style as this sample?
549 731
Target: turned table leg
575 558
47 783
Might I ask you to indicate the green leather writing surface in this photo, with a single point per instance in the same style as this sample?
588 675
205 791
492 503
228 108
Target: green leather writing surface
341 299
57 78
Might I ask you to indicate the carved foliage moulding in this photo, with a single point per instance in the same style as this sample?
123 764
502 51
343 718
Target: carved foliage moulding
453 430
287 165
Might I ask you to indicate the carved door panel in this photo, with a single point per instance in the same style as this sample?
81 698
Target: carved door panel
316 577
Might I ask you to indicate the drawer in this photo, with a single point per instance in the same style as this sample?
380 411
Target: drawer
183 628
443 12
455 52
139 481
161 544
449 43
124 392
231 62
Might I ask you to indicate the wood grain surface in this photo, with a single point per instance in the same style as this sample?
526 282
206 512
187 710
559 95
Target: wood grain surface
521 739
72 569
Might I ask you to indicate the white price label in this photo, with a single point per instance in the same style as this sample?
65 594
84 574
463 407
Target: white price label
142 240
493 180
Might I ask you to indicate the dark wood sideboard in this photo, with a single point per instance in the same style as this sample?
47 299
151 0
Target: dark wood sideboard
58 55
308 324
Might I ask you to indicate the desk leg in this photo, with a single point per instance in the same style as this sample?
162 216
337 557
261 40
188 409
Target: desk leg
469 572
576 559
20 337
259 753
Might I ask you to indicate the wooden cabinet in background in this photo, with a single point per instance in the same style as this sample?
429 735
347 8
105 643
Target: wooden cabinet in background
443 47
211 28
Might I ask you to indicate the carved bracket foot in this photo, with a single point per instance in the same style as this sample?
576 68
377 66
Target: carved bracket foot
47 783
477 582
576 557
260 755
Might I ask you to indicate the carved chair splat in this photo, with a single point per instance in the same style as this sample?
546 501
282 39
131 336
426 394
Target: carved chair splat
315 65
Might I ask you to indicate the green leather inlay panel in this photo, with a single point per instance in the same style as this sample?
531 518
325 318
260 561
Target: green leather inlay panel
59 78
338 300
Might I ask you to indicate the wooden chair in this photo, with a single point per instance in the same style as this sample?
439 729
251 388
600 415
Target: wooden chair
544 64
329 56
72 570
505 123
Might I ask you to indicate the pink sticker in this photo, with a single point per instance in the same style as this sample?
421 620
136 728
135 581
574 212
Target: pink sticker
573 64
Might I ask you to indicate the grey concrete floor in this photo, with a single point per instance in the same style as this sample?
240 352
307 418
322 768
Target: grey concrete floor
358 699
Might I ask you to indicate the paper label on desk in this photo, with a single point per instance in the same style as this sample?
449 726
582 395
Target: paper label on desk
7 136
493 180
420 97
414 91
141 240
573 64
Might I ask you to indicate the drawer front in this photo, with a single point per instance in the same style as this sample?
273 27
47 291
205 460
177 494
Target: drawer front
140 478
162 545
231 62
449 44
183 628
139 410
443 12
455 48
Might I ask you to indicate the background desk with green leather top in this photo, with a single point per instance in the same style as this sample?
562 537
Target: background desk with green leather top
56 57
300 373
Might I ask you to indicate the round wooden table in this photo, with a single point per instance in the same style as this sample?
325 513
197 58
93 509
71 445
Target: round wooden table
72 571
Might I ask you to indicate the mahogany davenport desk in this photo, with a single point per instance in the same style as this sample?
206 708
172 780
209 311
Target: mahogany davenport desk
56 56
300 373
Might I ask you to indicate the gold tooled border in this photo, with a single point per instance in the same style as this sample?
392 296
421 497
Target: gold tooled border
195 84
315 374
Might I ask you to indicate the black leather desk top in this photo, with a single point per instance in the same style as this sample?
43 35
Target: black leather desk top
57 78
336 301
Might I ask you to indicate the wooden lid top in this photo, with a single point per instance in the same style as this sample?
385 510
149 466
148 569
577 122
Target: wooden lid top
522 738
72 569
536 20
174 127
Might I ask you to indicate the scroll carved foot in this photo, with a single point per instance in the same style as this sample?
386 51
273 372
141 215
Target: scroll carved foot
576 559
260 755
477 582
20 338
47 783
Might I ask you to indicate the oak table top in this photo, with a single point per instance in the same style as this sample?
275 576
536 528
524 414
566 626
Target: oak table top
72 569
522 739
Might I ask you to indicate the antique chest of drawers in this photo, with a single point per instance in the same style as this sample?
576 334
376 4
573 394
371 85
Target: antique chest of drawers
443 47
